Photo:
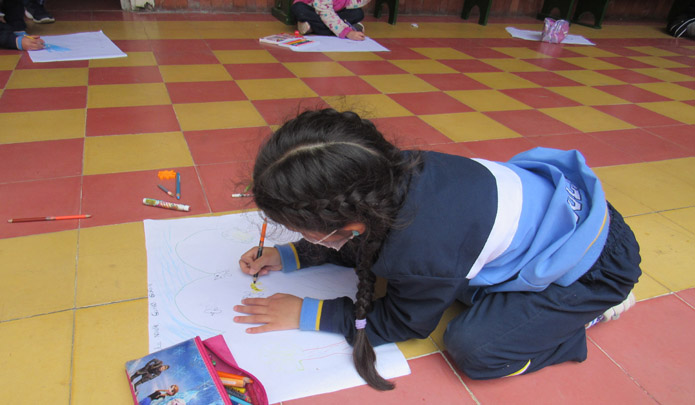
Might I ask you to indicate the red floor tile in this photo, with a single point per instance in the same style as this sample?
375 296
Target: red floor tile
222 180
117 198
140 120
621 50
500 149
204 92
595 381
596 152
287 55
686 60
688 85
400 53
650 342
226 145
4 77
409 132
540 98
636 115
429 103
642 144
432 381
242 71
133 45
202 56
552 64
339 86
547 79
458 148
452 81
372 67
482 52
556 51
47 98
40 198
276 112
531 122
469 66
681 135
628 76
176 45
124 75
687 296
40 160
632 93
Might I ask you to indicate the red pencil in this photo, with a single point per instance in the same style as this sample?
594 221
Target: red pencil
35 219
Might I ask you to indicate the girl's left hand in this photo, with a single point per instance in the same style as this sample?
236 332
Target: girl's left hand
277 312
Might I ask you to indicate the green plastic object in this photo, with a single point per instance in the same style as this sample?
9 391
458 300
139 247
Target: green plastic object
483 8
393 9
596 7
281 11
565 7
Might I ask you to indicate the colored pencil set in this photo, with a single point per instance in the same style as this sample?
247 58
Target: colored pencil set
235 385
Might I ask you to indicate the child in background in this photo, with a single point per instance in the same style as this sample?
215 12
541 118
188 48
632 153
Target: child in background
330 17
530 246
12 28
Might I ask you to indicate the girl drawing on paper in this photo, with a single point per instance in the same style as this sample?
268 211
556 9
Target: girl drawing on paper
529 246
341 18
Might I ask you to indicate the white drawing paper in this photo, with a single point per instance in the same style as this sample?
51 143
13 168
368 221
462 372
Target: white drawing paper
80 46
194 281
335 44
536 36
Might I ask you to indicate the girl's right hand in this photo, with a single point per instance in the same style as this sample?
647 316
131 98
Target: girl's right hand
356 36
32 43
270 261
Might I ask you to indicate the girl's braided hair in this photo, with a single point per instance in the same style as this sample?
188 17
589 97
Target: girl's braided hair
325 169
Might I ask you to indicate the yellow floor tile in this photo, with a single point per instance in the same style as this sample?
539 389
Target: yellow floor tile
647 288
35 357
238 29
669 90
588 95
438 334
127 95
194 73
501 80
226 114
682 112
513 65
270 89
30 126
657 189
586 119
665 75
667 250
106 337
685 218
681 169
37 273
120 30
653 51
591 63
368 106
520 53
442 53
38 78
245 56
487 100
133 59
169 30
470 126
388 84
627 205
112 264
416 347
423 66
114 154
589 78
317 69
592 51
8 62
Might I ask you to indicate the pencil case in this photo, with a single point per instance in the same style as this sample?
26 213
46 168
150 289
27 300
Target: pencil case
191 368
554 31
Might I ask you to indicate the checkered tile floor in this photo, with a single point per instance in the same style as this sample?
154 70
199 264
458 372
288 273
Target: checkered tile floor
197 94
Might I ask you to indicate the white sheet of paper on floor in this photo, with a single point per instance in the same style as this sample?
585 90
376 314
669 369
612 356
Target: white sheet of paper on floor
79 46
536 36
194 281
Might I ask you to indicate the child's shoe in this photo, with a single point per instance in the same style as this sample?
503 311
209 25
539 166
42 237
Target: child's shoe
38 14
359 27
303 27
613 313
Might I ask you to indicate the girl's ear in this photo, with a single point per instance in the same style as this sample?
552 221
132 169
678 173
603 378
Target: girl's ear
358 227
